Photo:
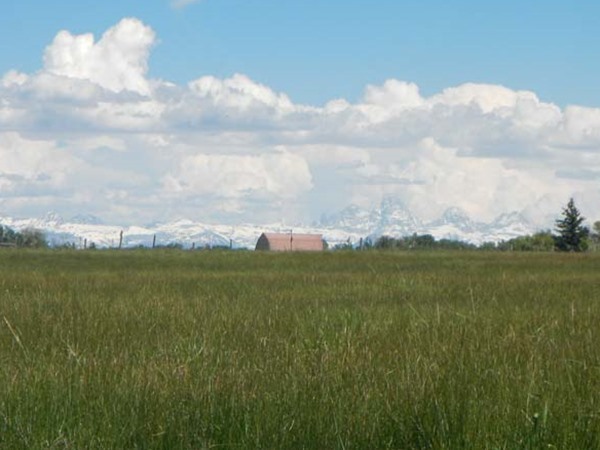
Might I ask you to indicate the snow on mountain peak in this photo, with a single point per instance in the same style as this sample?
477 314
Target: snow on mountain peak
455 214
53 217
395 219
391 218
456 218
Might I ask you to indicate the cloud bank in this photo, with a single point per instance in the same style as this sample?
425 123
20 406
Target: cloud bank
91 132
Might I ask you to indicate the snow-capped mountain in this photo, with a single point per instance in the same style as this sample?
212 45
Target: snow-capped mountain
391 218
352 218
395 219
457 225
514 224
457 218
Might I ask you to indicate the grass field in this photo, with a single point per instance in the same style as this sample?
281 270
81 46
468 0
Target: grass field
191 350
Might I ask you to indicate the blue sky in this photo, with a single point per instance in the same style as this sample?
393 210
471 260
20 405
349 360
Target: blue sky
316 50
233 110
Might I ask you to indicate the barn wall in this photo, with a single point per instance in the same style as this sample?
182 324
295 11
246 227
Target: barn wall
281 242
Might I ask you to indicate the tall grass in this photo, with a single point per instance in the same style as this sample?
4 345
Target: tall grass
183 350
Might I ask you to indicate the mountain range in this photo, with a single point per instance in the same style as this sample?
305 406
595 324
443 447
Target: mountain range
349 225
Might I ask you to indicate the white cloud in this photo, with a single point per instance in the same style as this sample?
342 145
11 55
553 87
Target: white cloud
580 127
117 62
14 78
480 186
91 126
488 98
32 167
268 176
239 93
381 103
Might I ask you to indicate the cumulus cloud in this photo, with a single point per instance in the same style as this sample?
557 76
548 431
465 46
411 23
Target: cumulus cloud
117 62
14 78
470 183
267 176
92 127
381 103
32 168
239 93
31 159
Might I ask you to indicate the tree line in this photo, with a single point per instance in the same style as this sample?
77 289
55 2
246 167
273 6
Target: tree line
27 238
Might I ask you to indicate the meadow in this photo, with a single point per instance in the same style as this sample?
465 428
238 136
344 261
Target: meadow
340 350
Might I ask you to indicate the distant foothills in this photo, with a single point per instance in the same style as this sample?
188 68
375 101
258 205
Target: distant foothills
392 226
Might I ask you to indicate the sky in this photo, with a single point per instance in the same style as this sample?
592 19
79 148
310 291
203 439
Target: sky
257 111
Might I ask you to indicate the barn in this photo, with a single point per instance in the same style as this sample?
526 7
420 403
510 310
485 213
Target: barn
285 242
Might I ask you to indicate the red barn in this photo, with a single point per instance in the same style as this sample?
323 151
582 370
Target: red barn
285 242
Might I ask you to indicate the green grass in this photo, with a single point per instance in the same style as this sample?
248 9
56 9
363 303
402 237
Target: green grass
183 350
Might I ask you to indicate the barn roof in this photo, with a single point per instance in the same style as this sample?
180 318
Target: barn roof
290 241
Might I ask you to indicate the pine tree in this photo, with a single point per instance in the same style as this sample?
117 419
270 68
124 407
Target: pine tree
572 235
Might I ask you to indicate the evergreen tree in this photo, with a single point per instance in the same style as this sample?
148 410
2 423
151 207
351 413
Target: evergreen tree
572 235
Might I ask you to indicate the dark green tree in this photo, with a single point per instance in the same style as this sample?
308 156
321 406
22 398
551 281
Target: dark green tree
7 235
385 243
572 235
542 241
595 236
31 238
